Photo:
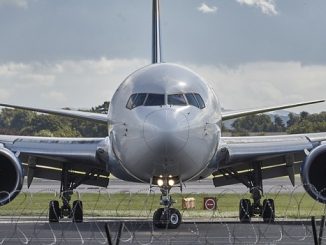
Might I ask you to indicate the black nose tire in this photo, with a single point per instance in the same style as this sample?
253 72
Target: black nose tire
170 218
157 218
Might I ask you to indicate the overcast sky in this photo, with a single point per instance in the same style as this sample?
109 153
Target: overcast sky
75 53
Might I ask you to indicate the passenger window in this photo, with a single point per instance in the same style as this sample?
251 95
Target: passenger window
200 101
192 100
176 99
155 100
136 100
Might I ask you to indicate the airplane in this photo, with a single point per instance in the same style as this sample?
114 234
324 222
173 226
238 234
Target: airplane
164 129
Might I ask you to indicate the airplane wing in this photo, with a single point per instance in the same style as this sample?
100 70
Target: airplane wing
276 155
90 116
235 114
45 157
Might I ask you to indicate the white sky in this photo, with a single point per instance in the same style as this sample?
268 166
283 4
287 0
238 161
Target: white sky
75 53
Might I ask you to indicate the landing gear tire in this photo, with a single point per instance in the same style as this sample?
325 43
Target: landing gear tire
174 218
77 211
170 218
157 218
54 211
268 211
245 211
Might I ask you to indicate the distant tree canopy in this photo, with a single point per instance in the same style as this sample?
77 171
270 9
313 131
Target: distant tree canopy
20 122
302 123
305 122
102 108
258 123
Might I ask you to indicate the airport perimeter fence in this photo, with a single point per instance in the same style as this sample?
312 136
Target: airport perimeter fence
126 218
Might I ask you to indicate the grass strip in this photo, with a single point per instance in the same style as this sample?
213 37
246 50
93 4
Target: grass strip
295 205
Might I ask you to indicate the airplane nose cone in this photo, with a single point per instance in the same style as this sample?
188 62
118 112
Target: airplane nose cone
166 131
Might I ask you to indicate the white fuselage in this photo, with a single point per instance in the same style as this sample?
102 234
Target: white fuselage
164 140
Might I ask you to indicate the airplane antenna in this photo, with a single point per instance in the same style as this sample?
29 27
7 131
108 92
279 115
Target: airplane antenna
156 38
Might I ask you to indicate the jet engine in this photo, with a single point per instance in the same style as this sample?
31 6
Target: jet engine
313 173
11 176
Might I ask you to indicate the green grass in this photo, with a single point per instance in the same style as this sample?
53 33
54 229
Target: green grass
298 205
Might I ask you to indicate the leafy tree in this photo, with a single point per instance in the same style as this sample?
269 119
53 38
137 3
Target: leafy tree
44 133
308 123
293 119
102 108
21 118
254 123
279 124
304 115
20 122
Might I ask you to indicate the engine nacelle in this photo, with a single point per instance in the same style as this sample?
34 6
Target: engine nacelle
313 173
11 176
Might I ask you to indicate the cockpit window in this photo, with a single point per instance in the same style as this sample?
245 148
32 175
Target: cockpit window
176 99
140 99
155 100
200 101
195 100
136 100
192 100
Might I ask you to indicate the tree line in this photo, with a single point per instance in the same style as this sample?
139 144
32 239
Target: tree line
22 122
296 124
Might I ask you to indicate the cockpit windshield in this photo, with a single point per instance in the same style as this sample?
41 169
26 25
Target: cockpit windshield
176 99
140 99
155 100
200 101
144 99
136 100
192 100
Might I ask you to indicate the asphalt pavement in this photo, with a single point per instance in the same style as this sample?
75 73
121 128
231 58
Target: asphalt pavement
28 231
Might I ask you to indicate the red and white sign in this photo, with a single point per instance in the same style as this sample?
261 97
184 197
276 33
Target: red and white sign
210 203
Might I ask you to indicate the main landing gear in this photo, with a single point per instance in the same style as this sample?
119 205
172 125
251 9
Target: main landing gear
68 184
248 209
166 217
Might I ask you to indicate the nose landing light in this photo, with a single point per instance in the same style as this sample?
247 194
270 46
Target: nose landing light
160 182
171 182
165 181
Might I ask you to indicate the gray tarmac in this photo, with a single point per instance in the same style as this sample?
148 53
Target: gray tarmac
27 231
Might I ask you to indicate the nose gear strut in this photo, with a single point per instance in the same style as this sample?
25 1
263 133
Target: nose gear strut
167 217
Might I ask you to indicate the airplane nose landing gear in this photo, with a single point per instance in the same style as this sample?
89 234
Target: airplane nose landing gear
166 217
